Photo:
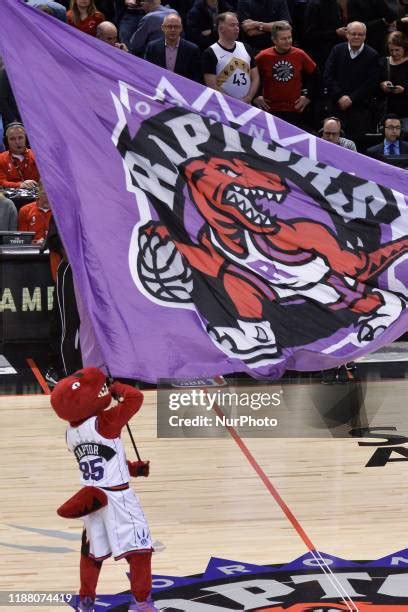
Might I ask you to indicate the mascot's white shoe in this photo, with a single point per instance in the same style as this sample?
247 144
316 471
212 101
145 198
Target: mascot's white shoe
86 604
143 606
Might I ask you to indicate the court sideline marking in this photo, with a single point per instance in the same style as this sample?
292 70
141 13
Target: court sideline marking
288 513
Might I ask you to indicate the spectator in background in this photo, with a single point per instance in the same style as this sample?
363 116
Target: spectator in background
35 216
394 77
201 21
17 165
332 131
229 65
107 7
324 27
107 32
392 143
351 76
58 10
84 16
173 52
325 22
257 18
286 74
128 14
8 214
150 26
376 16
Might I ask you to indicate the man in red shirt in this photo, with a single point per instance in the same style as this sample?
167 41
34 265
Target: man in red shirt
286 75
35 216
17 165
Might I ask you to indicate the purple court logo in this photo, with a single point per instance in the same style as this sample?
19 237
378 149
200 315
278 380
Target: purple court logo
315 582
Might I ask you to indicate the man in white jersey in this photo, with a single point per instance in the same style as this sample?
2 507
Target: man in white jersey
114 523
228 65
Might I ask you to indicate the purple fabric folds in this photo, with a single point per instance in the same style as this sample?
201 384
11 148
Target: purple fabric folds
206 236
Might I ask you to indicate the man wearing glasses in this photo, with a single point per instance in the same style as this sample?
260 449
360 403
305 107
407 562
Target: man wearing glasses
149 27
392 145
332 131
173 52
351 76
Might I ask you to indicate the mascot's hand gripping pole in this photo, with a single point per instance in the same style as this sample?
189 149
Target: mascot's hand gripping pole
139 467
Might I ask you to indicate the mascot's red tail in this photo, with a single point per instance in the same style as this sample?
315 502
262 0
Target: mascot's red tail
85 501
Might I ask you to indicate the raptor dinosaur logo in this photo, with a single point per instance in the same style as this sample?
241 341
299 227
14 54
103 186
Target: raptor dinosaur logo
233 238
298 586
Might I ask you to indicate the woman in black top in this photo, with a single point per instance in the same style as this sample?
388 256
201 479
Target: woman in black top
394 77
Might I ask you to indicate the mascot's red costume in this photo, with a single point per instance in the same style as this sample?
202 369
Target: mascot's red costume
114 522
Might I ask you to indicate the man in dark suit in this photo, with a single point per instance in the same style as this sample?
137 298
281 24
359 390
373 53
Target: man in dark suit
173 52
392 143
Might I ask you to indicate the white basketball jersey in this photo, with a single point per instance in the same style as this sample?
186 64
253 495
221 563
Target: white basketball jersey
233 68
102 462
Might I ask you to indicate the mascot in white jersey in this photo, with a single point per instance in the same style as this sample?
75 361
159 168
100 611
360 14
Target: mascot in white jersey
114 523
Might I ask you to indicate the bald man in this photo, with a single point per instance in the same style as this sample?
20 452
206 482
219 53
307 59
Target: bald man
332 131
107 32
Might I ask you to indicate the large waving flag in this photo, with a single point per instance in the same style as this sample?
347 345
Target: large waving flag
205 235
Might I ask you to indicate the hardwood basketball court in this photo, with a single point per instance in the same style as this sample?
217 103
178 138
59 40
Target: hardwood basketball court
258 500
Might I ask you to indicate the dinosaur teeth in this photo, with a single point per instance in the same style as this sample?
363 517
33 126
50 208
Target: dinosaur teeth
104 391
255 213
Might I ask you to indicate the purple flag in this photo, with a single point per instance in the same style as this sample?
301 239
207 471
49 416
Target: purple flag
206 236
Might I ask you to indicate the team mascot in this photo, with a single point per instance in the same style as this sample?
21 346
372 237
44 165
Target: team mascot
114 522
